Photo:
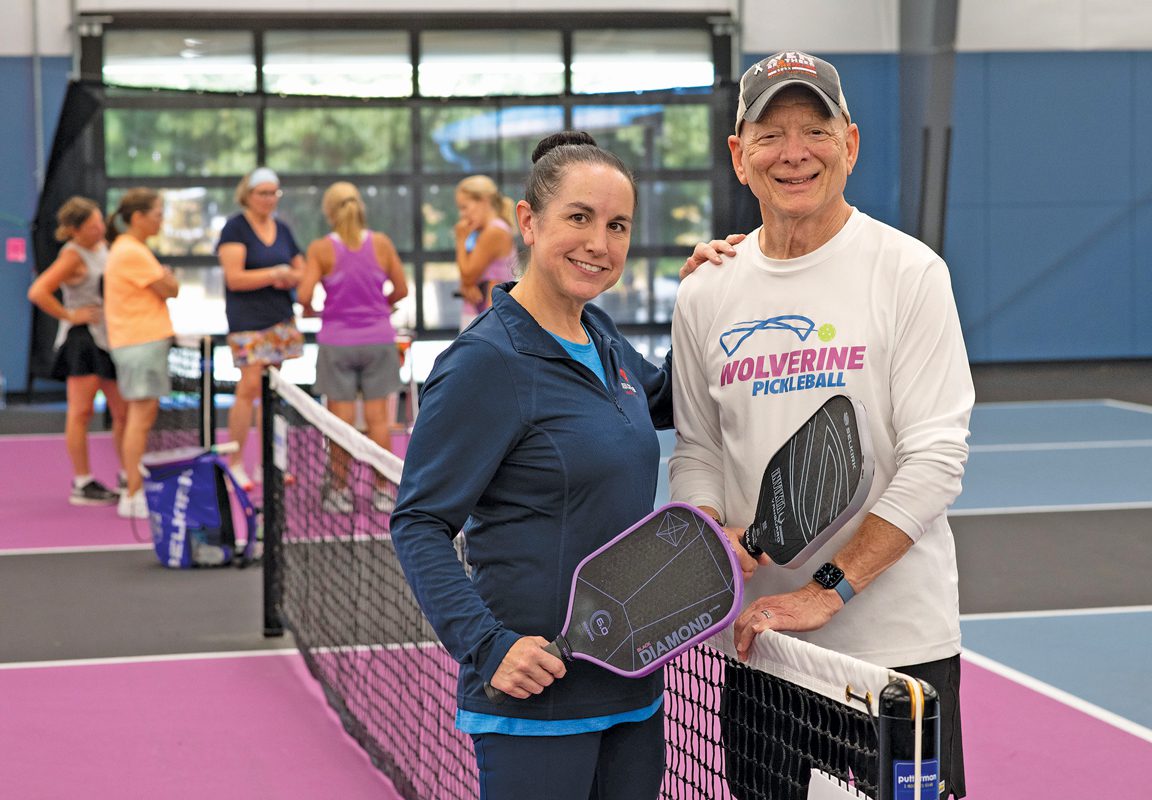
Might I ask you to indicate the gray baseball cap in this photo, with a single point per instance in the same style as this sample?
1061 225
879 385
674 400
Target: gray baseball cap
765 78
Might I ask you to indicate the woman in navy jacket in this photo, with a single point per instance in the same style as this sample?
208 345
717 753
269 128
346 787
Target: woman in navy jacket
537 437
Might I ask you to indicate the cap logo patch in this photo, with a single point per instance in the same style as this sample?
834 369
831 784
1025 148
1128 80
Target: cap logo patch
791 62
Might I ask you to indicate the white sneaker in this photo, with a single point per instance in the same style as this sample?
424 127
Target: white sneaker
241 476
338 501
208 555
133 506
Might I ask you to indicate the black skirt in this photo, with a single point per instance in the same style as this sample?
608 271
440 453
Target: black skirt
79 355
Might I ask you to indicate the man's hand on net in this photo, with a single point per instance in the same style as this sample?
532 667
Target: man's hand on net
806 609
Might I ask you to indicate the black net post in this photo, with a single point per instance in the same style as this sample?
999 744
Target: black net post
898 743
273 510
207 394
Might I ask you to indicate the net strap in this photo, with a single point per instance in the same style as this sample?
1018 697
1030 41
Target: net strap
916 696
834 675
338 431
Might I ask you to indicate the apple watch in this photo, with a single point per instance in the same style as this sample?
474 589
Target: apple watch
831 576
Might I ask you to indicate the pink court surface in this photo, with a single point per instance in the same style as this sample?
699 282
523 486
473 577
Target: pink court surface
255 724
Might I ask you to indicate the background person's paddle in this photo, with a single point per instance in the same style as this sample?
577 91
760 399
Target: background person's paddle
814 483
643 598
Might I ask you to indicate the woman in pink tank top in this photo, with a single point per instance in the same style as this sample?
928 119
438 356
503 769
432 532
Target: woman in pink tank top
485 249
363 279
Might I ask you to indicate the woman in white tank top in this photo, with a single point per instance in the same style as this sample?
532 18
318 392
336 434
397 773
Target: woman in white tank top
82 359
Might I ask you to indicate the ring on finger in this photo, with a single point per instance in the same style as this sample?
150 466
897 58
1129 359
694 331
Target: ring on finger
767 614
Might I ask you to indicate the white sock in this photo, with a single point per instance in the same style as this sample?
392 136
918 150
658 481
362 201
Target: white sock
81 480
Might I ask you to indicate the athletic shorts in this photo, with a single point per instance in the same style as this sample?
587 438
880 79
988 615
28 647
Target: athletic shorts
81 356
142 369
269 347
944 677
371 370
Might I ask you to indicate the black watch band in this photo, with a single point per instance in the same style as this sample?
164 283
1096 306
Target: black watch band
831 576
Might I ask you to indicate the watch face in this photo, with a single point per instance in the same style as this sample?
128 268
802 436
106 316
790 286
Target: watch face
828 575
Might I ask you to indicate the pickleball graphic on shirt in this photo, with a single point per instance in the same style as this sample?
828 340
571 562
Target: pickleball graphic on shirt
735 336
766 369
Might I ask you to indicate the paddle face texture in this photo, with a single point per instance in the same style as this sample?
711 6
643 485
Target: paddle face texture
653 591
813 484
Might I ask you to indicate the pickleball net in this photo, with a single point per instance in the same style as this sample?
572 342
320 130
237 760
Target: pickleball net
332 579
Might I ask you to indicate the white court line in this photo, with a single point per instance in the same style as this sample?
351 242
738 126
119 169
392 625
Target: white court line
1060 612
92 662
1136 505
51 437
168 657
1059 695
91 548
1025 404
1129 406
1103 444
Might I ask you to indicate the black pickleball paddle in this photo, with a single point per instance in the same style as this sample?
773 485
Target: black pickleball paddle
813 484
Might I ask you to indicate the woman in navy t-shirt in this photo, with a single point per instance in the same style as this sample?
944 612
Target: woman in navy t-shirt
262 263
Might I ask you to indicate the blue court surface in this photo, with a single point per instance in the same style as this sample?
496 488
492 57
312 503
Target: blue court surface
1099 657
1030 457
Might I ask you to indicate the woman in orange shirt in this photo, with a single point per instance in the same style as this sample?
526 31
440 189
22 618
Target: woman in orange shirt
136 290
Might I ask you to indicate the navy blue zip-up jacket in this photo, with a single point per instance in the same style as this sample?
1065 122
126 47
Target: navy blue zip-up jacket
545 464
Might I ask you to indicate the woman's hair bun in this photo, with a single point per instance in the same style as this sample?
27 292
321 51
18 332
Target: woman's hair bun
549 143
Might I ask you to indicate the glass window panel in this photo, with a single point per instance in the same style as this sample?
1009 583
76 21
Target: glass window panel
301 371
627 301
199 308
439 211
441 306
208 60
206 141
650 136
653 346
685 141
673 213
665 284
631 132
193 219
487 63
338 63
404 312
440 214
389 211
640 60
339 140
484 139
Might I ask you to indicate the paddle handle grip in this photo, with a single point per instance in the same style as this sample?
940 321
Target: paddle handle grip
751 540
497 696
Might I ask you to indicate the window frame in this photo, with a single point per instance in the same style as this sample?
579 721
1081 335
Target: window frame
416 178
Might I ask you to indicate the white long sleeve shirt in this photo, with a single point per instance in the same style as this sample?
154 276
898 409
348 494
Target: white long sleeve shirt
761 343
